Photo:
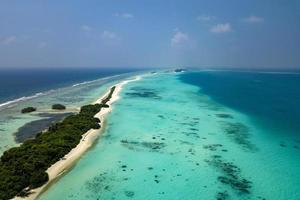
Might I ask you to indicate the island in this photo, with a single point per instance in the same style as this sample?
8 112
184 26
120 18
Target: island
28 110
179 70
24 168
58 107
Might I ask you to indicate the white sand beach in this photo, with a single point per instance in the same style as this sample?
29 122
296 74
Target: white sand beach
60 167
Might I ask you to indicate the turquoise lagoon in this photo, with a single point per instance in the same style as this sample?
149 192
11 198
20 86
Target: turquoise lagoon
167 139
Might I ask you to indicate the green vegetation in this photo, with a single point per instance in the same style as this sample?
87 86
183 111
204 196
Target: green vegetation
105 105
28 110
58 107
179 70
23 168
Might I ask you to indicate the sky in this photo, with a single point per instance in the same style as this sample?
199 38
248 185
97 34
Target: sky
150 33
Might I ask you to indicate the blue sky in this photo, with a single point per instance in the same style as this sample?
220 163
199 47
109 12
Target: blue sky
150 33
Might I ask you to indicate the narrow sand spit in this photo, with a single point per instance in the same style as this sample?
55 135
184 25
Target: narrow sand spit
60 167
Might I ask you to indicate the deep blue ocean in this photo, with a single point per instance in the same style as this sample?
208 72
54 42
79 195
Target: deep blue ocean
273 99
17 83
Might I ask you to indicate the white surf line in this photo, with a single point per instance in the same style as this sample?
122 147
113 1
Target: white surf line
88 138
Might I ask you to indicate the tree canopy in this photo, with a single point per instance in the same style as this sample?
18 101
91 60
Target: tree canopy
24 167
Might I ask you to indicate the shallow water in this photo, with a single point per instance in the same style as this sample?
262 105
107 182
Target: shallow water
165 139
73 97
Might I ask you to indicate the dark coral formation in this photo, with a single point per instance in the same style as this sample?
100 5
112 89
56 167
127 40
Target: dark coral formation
212 147
231 175
225 116
129 194
143 92
239 133
138 146
282 144
161 116
191 134
290 144
99 183
222 195
241 185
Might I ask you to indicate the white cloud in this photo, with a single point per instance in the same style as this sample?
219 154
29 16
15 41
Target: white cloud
109 35
8 40
205 18
221 28
253 19
179 38
86 28
124 15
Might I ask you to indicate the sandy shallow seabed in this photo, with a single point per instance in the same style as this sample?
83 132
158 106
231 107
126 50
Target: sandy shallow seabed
60 167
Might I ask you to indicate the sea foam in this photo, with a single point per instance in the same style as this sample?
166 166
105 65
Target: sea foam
25 98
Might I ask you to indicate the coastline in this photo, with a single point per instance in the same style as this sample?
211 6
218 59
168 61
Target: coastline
63 165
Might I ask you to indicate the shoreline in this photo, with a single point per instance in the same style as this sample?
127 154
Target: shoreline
13 102
88 139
